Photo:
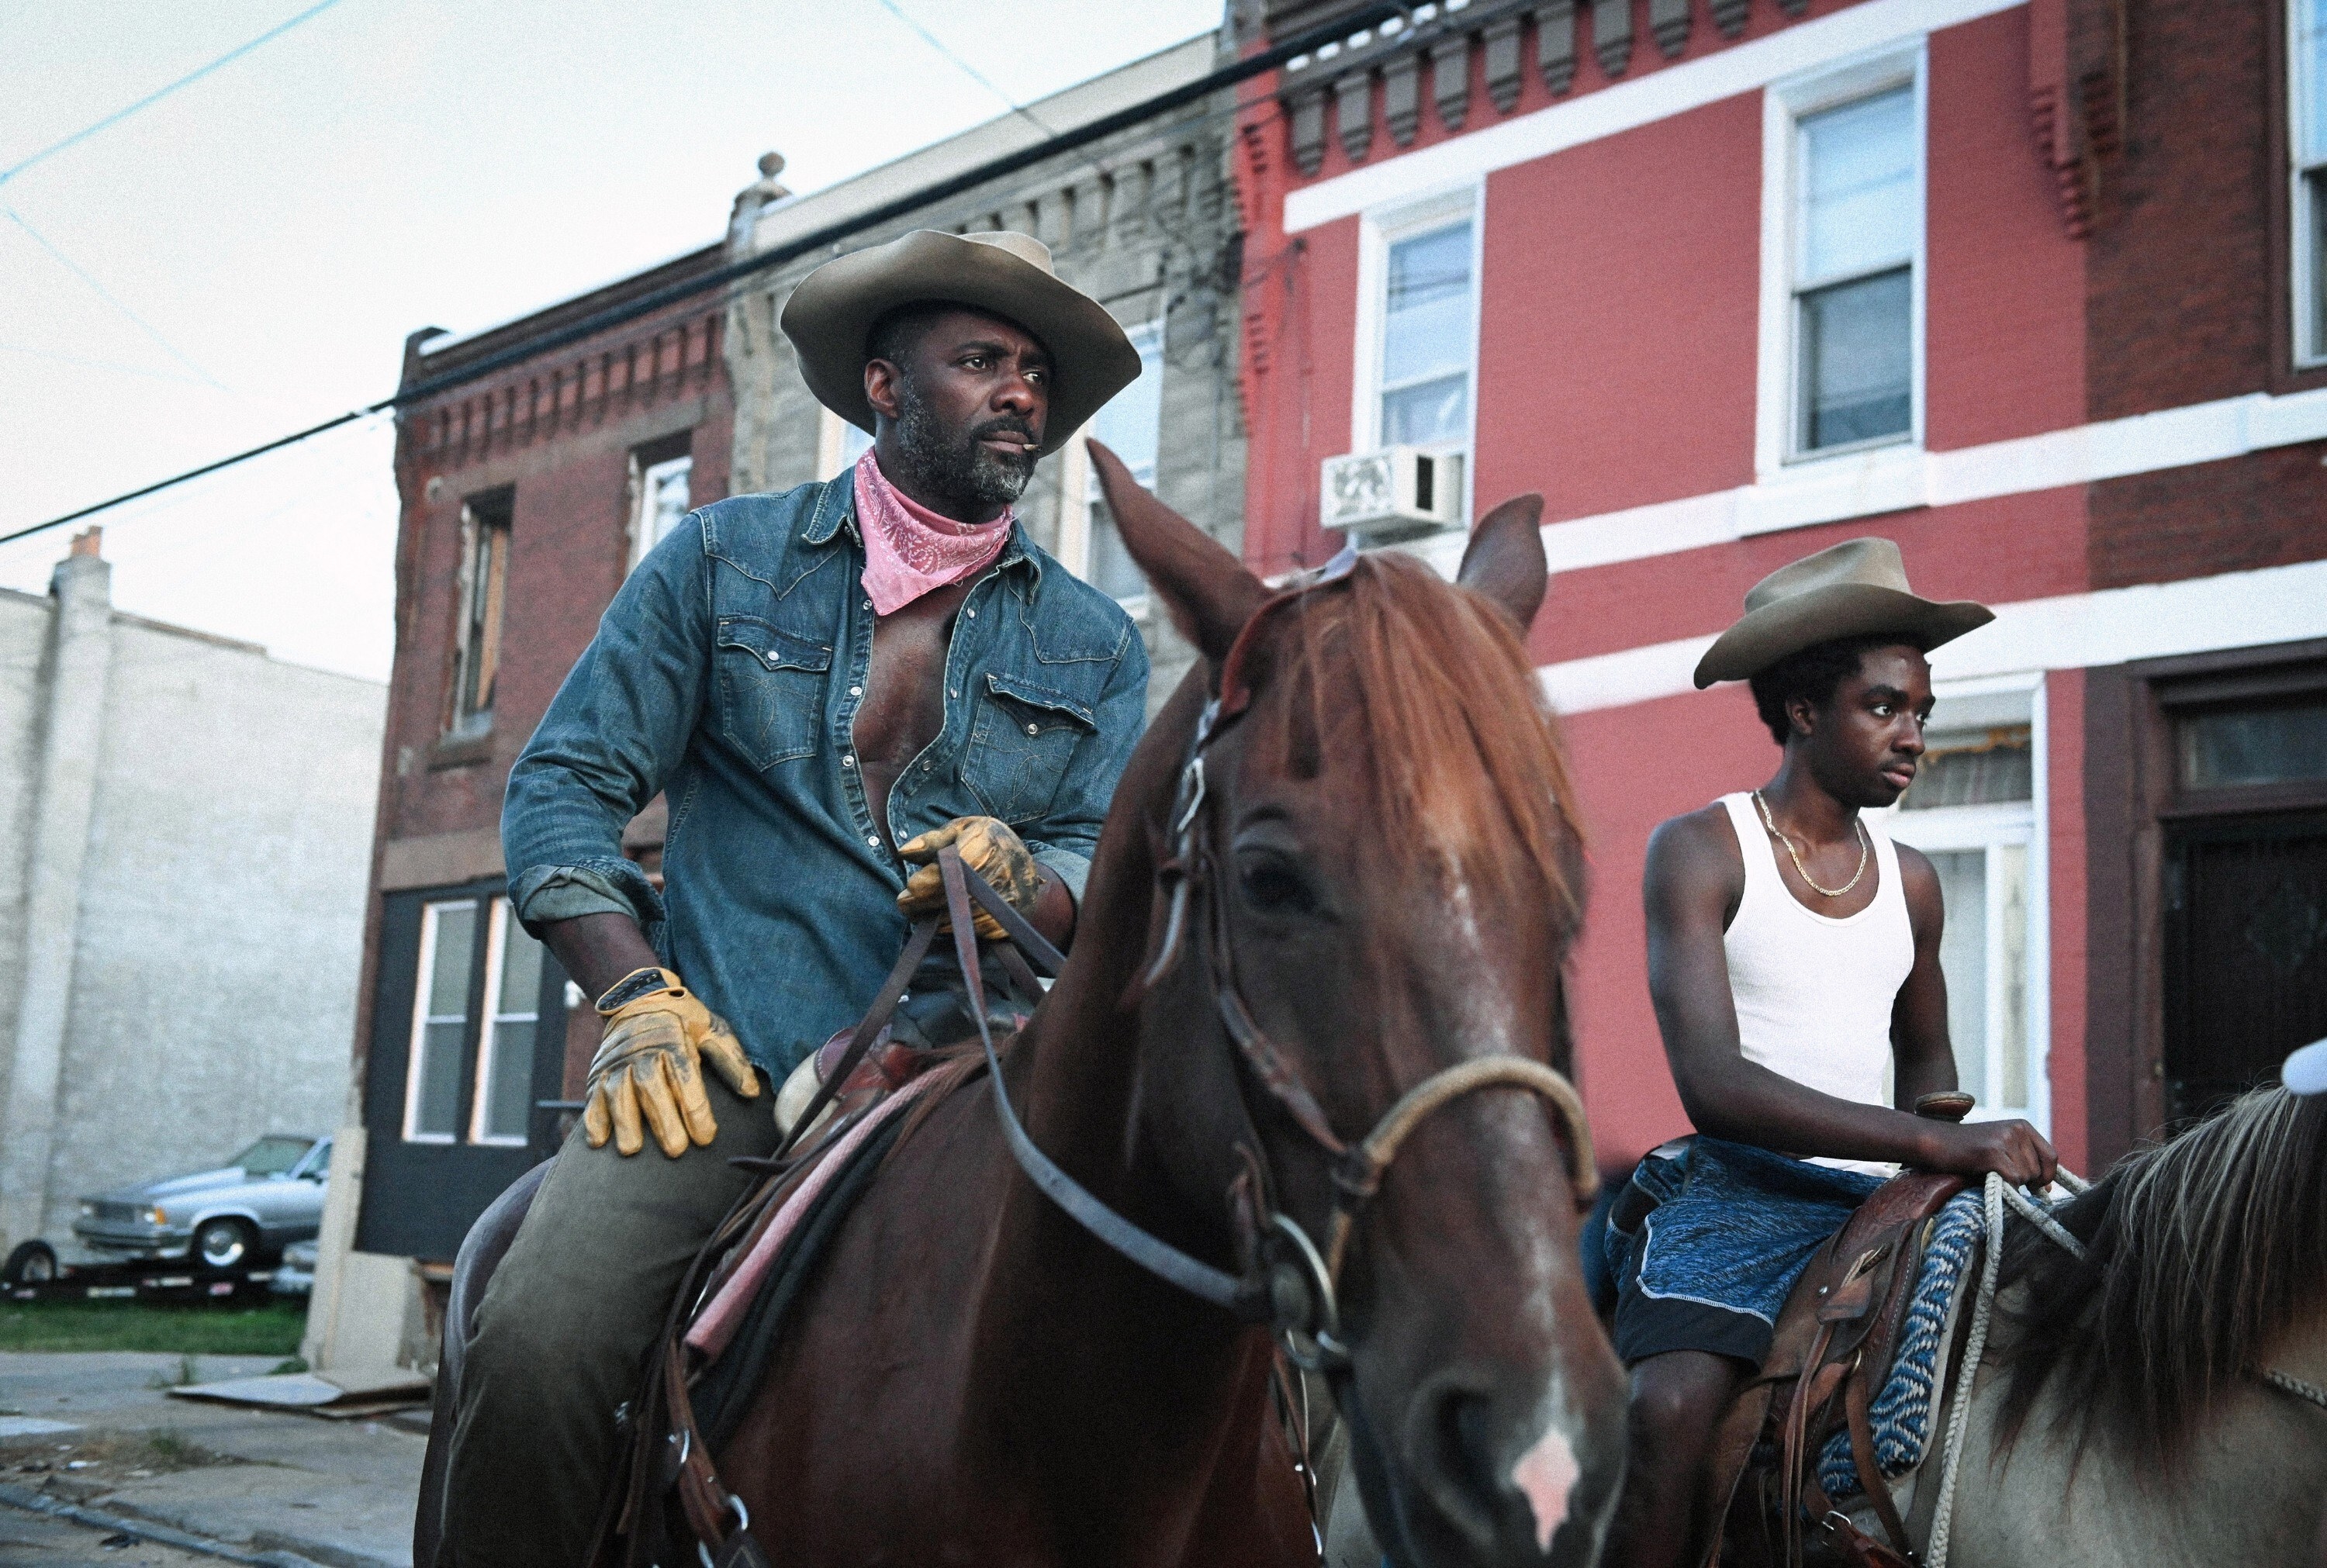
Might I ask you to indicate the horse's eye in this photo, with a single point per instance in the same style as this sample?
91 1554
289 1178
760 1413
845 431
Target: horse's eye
1272 887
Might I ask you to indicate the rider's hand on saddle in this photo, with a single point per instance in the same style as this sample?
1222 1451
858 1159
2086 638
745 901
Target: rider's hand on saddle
649 1066
989 848
2013 1150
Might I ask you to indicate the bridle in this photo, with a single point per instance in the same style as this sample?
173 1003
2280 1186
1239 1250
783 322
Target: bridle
1289 1283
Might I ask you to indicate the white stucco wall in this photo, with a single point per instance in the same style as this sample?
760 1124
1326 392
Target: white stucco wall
221 933
24 648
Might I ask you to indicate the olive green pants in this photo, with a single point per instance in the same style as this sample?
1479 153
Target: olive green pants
563 1330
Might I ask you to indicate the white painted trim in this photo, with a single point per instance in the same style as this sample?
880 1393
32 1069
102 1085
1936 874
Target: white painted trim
1901 479
2070 632
1874 25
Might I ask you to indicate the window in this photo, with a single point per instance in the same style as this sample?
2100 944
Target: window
2306 140
274 1156
1132 427
1858 190
1428 314
2283 742
660 495
504 1099
439 1022
1971 811
454 974
483 585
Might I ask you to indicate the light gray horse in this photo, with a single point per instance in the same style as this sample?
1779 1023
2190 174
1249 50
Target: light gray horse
2163 1400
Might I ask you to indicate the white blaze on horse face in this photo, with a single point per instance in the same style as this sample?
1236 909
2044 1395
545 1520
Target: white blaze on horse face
1545 1476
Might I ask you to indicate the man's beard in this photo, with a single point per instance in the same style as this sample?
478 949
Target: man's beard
966 474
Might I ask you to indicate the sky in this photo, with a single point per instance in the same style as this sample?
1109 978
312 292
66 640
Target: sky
246 256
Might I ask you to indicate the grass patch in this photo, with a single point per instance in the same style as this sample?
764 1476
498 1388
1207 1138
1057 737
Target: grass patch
272 1329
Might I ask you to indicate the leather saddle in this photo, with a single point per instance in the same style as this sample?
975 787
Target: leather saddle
1830 1355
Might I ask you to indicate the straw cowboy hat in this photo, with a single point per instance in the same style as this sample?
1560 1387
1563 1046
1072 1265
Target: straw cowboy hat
1007 275
1856 589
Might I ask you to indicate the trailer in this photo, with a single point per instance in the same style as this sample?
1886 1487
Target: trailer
141 1280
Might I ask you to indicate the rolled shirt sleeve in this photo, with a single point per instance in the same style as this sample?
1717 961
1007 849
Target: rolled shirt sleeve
613 736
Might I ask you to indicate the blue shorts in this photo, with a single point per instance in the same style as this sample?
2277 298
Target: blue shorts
1707 1241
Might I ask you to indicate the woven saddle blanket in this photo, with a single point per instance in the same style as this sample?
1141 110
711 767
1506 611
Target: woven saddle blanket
1903 1415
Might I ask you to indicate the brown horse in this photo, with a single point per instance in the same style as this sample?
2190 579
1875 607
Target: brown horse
1344 885
973 1378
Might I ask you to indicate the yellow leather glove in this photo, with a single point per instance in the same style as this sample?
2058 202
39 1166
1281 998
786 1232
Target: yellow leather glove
989 848
649 1066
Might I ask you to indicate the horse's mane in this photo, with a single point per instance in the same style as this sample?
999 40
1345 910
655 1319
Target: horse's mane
1462 751
2200 1252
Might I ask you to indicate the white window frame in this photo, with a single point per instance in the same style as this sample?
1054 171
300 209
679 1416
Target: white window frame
2305 275
642 494
1784 106
1974 704
423 984
1377 230
488 1033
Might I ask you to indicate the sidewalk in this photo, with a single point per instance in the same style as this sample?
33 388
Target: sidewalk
98 1430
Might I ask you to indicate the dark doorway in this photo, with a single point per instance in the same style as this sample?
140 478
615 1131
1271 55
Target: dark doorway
2246 952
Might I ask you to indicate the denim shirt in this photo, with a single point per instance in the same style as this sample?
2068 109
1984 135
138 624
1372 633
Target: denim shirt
726 675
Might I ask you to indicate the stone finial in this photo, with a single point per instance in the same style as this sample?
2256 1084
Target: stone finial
90 541
764 192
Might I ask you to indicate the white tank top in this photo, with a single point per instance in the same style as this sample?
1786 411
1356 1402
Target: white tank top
1814 993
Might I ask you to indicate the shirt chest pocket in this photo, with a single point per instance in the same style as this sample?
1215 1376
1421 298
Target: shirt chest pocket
1020 744
770 690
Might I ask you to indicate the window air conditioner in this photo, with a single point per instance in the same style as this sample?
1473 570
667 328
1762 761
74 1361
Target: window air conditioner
1398 490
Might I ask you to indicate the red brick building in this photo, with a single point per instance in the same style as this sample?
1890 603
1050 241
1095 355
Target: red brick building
528 494
2030 287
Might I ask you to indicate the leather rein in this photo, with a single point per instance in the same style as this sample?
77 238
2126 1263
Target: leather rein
1290 1283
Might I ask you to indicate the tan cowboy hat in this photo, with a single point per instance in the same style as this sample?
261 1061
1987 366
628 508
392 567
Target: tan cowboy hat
1854 589
835 307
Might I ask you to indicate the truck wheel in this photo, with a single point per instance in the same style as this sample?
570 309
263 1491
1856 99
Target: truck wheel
32 1263
222 1243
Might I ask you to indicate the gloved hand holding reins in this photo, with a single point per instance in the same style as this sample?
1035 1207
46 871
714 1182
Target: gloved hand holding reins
990 848
649 1066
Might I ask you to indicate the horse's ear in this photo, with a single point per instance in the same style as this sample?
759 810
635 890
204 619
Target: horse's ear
1206 590
1504 560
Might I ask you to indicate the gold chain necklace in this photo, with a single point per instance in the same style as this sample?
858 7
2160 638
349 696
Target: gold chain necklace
1865 847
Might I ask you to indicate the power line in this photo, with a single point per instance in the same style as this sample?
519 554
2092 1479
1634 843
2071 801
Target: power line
158 94
831 234
143 325
968 70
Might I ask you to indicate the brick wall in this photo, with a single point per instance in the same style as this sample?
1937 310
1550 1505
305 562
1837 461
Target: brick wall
2180 265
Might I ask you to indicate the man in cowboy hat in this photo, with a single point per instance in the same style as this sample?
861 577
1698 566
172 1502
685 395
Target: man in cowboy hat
828 684
1793 953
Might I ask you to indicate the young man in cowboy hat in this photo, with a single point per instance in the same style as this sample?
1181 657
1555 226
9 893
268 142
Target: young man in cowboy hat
1793 953
828 684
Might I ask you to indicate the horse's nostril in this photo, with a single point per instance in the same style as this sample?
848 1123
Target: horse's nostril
1458 1466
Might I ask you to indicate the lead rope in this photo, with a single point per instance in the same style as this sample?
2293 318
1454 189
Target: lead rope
1998 1193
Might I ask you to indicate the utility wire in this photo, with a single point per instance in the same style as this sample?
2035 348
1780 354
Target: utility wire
143 325
776 255
158 94
968 70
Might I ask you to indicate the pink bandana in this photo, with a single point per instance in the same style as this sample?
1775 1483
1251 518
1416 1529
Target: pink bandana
909 549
